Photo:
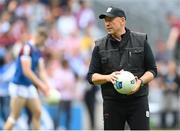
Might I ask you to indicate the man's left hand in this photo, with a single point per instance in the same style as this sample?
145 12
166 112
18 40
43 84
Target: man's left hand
136 88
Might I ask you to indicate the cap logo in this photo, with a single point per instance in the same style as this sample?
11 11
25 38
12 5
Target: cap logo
109 9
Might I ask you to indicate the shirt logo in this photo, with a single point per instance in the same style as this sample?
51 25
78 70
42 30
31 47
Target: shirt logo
109 9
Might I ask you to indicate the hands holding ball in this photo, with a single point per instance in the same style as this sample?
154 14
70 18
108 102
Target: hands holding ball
125 82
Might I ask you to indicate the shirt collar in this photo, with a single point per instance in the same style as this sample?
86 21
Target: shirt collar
123 36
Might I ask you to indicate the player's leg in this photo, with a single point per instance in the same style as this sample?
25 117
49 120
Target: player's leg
17 102
34 105
15 111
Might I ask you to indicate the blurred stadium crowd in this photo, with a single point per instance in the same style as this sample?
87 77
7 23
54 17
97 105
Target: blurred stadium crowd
72 28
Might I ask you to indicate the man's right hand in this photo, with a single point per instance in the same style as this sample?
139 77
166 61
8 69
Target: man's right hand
99 79
113 76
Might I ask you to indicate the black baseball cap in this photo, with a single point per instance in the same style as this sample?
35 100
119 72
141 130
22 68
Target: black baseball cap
113 12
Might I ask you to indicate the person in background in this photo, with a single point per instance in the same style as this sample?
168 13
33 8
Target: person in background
90 101
173 42
65 84
7 71
171 88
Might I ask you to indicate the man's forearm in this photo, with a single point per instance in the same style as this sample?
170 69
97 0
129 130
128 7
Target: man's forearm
45 78
147 77
35 80
99 79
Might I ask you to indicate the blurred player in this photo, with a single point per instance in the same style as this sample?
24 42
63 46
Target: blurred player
23 89
173 42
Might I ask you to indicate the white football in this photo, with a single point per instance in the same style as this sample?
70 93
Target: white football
125 83
54 97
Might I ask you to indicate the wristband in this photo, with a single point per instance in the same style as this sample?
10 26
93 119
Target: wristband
142 82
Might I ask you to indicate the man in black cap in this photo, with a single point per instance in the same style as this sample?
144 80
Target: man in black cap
122 49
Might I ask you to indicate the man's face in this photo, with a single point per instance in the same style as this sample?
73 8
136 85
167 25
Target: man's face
40 40
114 25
